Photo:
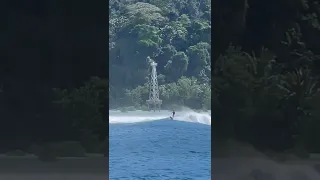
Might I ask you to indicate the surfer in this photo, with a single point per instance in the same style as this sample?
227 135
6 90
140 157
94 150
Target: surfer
173 113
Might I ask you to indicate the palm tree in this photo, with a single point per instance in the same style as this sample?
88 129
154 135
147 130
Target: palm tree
297 88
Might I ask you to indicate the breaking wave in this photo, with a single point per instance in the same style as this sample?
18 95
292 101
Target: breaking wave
143 116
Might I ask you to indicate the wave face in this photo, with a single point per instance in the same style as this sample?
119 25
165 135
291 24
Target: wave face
148 145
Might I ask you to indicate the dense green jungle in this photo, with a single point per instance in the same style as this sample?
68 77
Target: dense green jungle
263 73
53 73
177 36
256 68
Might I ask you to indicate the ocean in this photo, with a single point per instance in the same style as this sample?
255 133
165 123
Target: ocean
148 145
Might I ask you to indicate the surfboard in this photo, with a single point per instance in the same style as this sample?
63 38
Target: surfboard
171 118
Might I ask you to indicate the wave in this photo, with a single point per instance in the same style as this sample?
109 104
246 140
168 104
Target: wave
144 116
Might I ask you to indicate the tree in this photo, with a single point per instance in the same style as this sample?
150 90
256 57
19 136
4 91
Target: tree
172 33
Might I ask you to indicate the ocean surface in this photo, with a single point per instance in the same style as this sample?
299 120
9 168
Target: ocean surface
148 145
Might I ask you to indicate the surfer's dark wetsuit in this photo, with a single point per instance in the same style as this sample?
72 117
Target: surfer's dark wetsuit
173 113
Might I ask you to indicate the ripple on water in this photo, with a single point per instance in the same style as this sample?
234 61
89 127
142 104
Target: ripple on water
160 150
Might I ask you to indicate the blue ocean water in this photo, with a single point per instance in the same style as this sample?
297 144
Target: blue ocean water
151 146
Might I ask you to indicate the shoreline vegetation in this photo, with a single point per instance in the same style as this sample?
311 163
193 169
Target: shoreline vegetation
176 108
170 34
262 77
264 85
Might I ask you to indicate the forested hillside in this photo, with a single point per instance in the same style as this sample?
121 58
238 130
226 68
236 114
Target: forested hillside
260 71
174 34
266 72
264 67
50 51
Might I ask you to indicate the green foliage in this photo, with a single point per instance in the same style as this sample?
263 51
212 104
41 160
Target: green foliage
254 89
259 94
83 109
144 13
173 34
185 92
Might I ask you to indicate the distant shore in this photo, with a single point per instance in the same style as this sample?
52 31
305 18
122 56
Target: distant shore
175 108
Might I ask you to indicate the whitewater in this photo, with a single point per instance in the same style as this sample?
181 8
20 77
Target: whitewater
116 116
149 145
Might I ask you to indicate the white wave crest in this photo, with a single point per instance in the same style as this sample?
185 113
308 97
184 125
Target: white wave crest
143 116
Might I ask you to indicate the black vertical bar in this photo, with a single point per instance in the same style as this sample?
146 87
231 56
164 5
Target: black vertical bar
46 45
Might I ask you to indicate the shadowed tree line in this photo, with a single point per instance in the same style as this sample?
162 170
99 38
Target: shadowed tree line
54 65
266 73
